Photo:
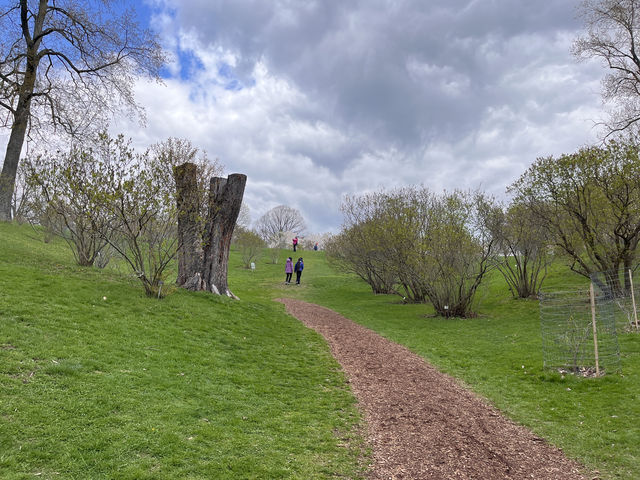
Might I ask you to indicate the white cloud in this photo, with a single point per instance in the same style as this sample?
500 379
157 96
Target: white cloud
316 100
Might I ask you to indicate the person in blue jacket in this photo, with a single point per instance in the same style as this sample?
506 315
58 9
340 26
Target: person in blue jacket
298 269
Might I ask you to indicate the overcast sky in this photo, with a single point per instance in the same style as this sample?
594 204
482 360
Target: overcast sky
313 100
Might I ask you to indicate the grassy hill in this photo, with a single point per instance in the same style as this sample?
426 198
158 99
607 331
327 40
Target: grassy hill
499 355
98 381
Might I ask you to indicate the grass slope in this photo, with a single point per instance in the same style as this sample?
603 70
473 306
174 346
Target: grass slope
499 355
196 386
98 381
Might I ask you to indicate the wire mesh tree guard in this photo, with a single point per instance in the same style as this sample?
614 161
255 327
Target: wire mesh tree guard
579 333
621 288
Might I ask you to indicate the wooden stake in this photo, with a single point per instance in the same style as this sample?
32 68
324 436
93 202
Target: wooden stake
595 331
633 300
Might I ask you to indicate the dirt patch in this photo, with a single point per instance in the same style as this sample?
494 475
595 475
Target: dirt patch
423 424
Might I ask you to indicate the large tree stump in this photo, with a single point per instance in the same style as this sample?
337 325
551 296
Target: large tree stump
190 253
225 199
203 252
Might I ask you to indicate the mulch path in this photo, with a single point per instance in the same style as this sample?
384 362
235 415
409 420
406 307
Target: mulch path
422 424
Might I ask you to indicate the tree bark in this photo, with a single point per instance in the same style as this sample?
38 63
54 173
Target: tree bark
10 168
225 199
16 140
203 254
190 254
23 108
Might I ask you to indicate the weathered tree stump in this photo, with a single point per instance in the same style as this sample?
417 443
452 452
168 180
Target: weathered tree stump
203 243
190 254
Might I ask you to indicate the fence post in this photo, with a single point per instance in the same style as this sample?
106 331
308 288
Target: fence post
633 300
595 331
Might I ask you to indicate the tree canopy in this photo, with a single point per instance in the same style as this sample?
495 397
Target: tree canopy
589 202
273 225
66 65
612 33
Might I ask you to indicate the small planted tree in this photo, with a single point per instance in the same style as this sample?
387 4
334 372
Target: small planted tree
574 341
251 246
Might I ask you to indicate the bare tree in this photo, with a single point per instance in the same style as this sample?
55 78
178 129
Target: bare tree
612 33
67 64
276 222
244 217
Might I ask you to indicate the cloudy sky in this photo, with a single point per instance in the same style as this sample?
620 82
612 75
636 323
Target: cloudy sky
315 99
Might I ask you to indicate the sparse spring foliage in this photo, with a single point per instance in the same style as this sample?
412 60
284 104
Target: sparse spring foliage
110 195
417 244
589 204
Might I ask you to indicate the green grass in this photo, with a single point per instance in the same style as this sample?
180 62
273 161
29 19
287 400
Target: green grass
98 381
196 386
499 355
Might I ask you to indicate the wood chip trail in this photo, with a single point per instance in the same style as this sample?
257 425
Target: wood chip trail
423 424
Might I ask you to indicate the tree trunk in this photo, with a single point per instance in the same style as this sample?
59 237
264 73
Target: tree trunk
202 262
190 254
23 108
225 199
12 158
8 176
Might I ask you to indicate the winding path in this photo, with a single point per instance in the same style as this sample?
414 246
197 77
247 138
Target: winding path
423 424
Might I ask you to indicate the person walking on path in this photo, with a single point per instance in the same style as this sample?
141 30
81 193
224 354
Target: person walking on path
298 269
288 269
295 243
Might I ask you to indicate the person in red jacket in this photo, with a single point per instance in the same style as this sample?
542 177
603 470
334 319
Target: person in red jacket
295 243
